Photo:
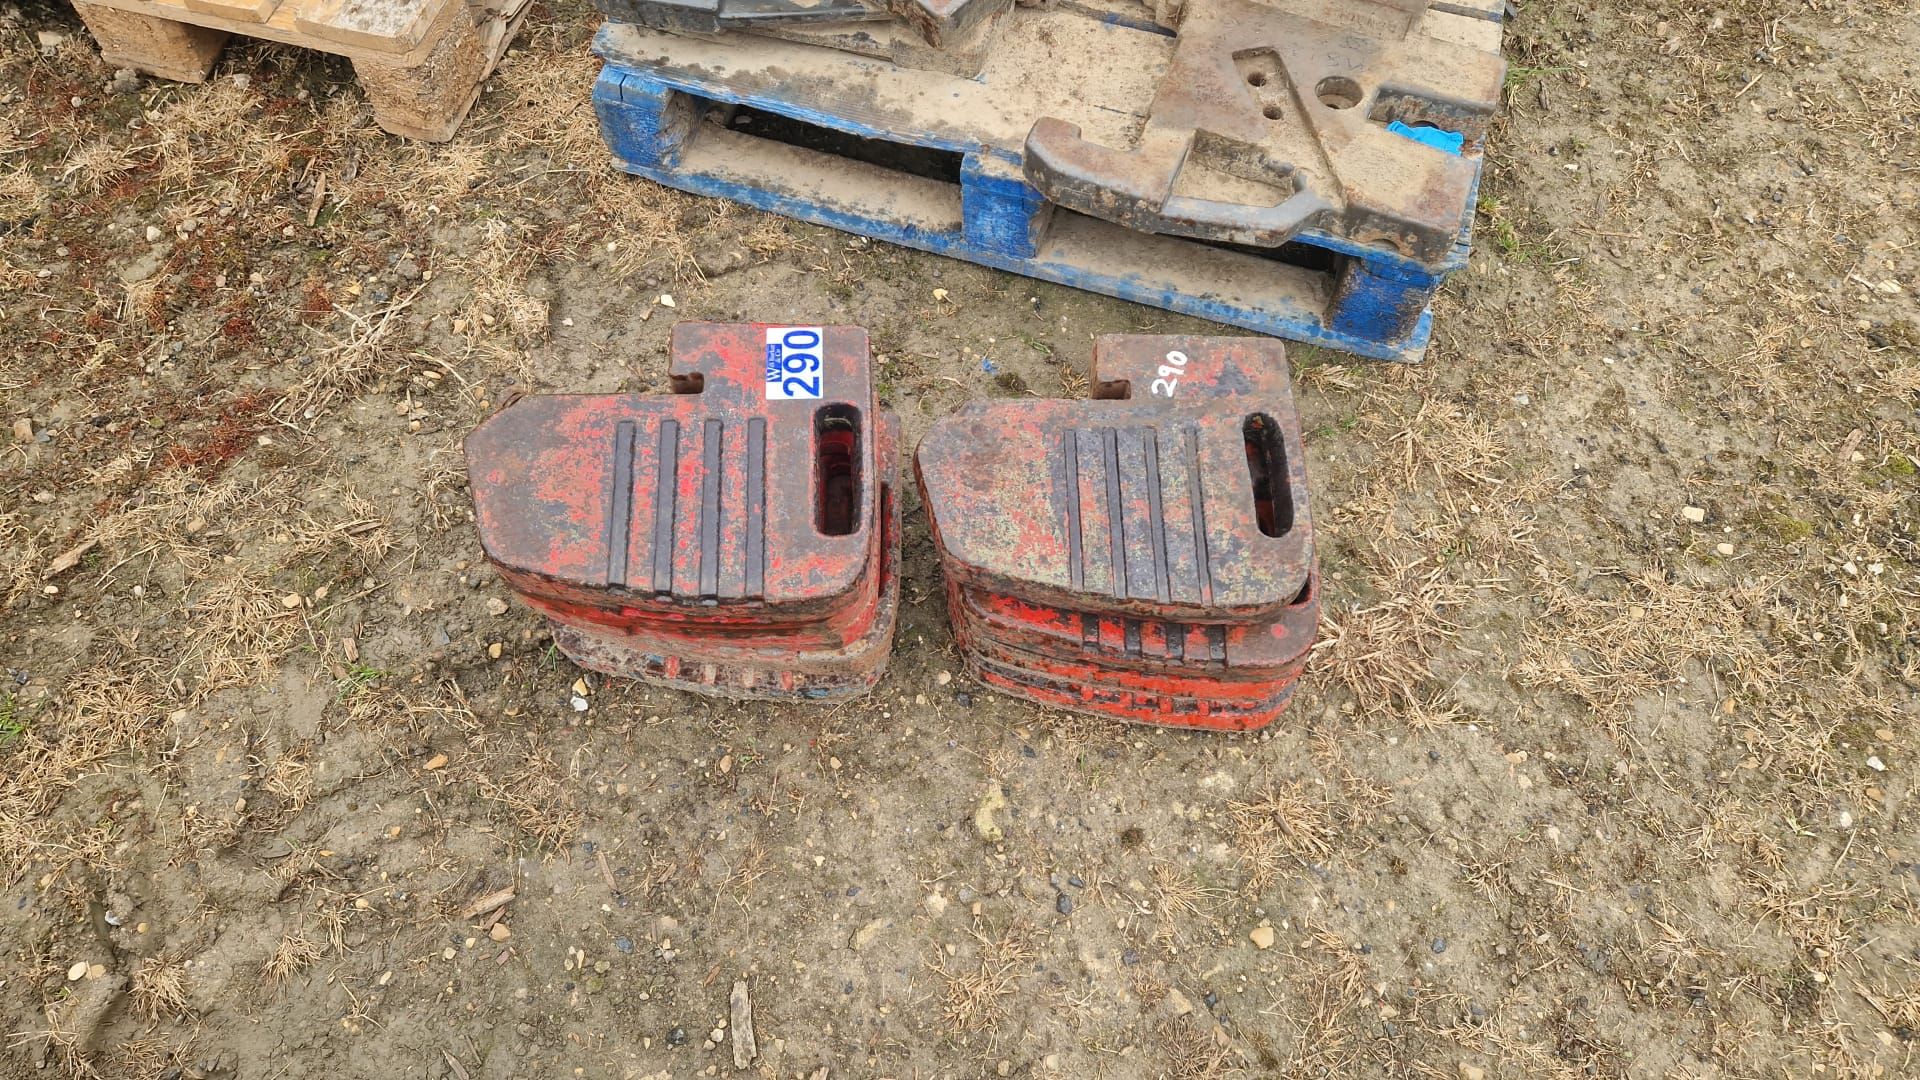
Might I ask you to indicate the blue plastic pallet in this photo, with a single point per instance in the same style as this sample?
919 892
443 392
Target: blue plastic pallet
664 102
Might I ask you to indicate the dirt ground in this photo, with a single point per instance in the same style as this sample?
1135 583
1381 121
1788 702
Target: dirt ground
1604 765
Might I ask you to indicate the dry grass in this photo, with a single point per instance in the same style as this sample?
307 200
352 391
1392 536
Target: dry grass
1184 905
19 560
98 720
1190 1050
1381 652
1323 1020
159 988
975 986
500 297
151 1058
537 795
1284 827
352 363
99 165
295 953
244 629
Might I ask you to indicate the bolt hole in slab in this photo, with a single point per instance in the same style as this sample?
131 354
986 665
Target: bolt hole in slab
1338 92
1256 78
836 461
1267 468
1272 112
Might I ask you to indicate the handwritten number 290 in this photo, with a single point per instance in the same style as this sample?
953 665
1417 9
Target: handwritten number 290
1170 373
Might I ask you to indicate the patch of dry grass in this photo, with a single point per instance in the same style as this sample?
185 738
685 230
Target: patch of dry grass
100 717
975 985
1324 1019
538 796
159 990
1287 824
243 629
1381 651
1184 905
548 107
1190 1049
296 952
369 352
501 300
19 559
99 165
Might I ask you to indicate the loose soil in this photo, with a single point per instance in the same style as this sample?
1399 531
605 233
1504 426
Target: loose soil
1603 766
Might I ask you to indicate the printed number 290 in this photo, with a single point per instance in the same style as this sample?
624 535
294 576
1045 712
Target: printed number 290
793 362
1170 373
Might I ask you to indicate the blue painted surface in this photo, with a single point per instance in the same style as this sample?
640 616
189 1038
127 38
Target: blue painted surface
1450 141
1002 212
1380 301
715 89
654 121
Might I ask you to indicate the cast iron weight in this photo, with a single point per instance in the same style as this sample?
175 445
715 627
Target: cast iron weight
1147 553
725 537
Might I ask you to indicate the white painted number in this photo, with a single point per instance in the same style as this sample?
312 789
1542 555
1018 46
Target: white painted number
793 363
1170 373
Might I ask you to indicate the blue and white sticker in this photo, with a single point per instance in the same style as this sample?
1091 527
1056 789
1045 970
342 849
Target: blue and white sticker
794 370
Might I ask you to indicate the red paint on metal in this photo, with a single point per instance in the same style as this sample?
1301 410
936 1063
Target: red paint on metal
1147 554
677 538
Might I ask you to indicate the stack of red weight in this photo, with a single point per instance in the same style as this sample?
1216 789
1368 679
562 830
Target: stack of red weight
738 537
1146 554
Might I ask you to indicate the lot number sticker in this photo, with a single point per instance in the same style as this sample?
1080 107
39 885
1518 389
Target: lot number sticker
793 363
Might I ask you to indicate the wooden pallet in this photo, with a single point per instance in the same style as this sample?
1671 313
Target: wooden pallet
421 62
693 113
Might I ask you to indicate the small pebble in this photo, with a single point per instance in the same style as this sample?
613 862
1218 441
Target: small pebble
1063 904
1439 945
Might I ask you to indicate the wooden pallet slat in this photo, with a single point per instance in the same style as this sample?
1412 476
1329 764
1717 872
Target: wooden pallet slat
421 62
380 25
245 10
